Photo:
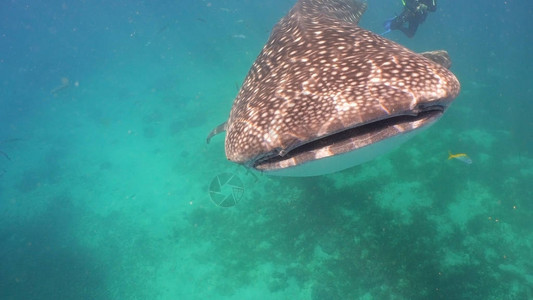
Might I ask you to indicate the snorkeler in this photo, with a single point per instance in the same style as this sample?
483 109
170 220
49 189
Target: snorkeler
414 12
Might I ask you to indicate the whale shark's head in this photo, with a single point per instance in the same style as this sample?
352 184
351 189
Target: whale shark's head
324 94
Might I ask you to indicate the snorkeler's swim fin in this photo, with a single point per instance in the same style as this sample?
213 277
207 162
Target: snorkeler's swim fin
387 25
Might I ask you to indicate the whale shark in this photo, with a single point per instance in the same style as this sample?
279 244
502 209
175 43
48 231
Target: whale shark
325 94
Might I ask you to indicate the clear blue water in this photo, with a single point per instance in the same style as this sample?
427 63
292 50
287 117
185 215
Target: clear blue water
104 111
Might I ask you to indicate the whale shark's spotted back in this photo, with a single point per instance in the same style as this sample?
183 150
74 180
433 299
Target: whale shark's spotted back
322 86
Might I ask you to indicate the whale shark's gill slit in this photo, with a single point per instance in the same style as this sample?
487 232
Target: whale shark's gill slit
351 133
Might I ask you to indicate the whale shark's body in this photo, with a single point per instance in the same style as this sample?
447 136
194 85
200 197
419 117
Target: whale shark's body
324 94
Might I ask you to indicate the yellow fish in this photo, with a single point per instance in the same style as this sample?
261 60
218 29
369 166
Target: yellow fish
460 156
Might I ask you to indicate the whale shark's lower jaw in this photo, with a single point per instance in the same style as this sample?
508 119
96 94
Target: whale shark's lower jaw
350 147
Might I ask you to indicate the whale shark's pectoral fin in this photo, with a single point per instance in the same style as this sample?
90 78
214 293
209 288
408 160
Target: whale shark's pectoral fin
220 128
439 56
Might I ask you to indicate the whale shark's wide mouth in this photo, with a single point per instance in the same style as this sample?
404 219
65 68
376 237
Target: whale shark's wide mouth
350 139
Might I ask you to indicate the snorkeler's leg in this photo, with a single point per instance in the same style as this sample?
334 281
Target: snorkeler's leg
411 29
397 22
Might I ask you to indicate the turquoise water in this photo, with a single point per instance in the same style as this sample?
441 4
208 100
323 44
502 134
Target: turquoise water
104 169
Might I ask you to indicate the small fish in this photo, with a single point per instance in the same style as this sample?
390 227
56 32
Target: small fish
5 155
239 36
460 156
65 83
